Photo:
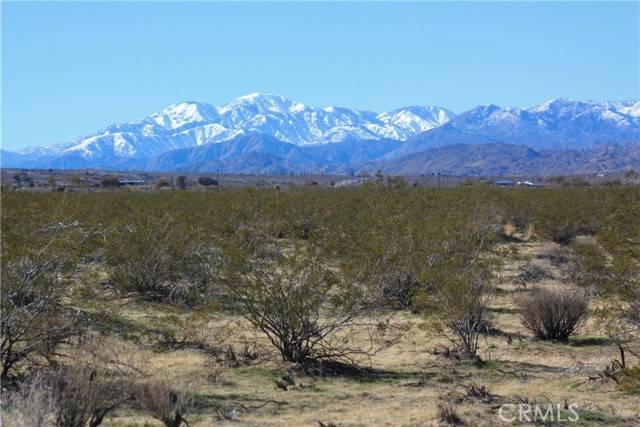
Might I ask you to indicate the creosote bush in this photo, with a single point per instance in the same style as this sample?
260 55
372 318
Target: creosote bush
300 306
162 260
97 378
303 266
611 266
553 314
34 321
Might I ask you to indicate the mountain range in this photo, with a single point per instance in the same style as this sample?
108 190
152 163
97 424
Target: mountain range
264 133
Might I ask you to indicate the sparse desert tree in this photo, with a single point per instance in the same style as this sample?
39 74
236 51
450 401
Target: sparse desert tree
553 314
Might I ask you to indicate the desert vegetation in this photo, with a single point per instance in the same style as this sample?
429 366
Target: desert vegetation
303 306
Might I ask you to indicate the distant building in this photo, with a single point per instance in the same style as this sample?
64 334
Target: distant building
504 183
130 182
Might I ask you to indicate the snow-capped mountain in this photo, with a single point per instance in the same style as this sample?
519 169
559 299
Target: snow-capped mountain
272 129
555 124
190 124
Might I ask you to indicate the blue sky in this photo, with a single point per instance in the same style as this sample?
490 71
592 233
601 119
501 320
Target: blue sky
69 69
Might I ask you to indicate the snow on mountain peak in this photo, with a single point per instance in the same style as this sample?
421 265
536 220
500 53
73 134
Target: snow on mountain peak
417 118
557 122
630 108
622 114
178 115
193 123
261 103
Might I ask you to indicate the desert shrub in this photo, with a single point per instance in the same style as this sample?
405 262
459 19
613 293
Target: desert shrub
159 259
553 314
557 222
40 258
32 404
587 266
448 415
400 289
414 248
630 379
393 274
299 306
612 267
101 376
302 228
463 312
34 321
462 281
163 402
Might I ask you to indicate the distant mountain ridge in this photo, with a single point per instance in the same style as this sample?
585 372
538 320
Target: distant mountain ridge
264 132
191 124
555 124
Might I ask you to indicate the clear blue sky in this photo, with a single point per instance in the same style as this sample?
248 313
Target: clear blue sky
69 69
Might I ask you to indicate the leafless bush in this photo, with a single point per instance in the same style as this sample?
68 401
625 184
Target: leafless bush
163 402
553 314
33 404
477 392
468 325
101 377
258 243
448 415
398 290
33 322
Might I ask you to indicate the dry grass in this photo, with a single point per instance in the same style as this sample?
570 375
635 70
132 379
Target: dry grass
410 383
